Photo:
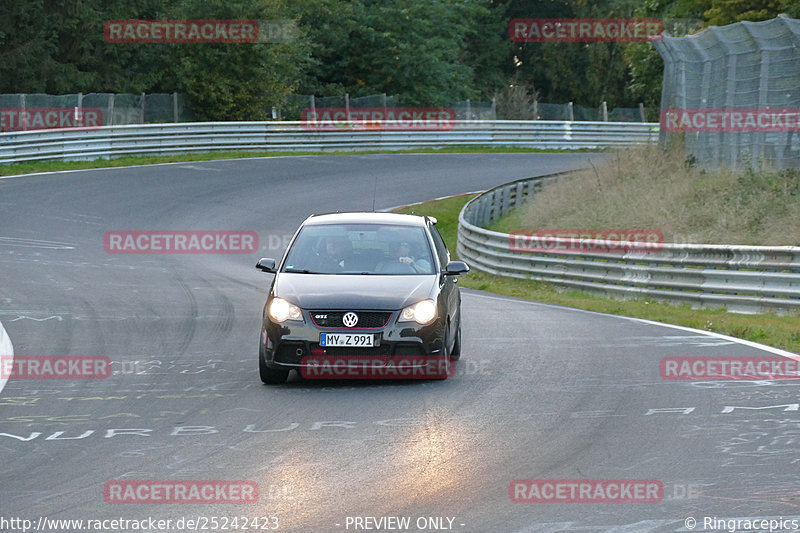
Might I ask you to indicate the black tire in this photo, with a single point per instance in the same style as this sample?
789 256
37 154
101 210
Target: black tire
446 358
455 353
270 376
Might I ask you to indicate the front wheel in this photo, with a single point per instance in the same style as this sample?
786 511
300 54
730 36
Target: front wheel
445 363
270 376
455 353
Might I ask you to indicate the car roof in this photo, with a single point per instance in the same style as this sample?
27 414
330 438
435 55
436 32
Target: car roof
368 217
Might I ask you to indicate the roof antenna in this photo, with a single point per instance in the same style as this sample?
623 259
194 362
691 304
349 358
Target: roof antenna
374 193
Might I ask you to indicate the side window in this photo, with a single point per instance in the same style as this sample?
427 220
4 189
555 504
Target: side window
441 249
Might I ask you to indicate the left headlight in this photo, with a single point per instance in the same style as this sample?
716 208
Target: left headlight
281 310
423 312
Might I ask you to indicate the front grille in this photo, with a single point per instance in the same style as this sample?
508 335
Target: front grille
366 319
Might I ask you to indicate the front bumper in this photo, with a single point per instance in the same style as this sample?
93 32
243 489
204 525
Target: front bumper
296 345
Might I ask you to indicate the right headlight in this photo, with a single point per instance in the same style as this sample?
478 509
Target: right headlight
281 310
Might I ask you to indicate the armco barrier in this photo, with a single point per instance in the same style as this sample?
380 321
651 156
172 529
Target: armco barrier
745 279
165 139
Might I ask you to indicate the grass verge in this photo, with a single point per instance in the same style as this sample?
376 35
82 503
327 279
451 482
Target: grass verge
32 167
770 329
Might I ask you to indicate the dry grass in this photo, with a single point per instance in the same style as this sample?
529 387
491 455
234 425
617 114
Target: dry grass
649 188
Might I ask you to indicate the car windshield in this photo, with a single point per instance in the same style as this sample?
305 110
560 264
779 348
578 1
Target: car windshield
378 249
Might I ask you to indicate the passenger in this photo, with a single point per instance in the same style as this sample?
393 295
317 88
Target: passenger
401 251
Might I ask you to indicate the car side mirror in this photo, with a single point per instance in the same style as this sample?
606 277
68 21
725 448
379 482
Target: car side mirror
456 268
266 264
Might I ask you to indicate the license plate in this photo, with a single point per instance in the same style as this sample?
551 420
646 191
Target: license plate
353 340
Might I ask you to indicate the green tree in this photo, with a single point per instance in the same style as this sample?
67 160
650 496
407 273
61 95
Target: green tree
328 25
645 64
724 12
584 73
489 51
428 52
58 47
240 81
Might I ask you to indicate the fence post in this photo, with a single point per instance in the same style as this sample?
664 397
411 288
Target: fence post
110 111
77 112
760 146
570 112
604 108
347 105
174 107
728 144
642 114
141 110
535 109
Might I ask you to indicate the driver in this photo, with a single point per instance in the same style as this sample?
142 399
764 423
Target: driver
335 254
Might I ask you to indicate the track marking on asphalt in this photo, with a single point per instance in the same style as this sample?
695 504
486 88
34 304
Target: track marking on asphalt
431 200
668 341
25 317
35 243
743 342
52 172
6 350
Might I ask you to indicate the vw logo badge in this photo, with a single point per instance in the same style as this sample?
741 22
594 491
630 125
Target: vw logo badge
350 319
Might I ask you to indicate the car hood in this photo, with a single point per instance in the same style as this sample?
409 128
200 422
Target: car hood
316 291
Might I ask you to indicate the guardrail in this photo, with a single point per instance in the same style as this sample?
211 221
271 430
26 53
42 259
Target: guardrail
166 139
745 279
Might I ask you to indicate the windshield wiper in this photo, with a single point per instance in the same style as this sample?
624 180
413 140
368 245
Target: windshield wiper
300 271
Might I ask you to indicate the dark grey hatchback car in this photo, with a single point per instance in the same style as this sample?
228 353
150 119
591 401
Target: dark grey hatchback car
362 295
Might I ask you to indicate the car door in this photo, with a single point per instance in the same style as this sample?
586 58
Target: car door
448 286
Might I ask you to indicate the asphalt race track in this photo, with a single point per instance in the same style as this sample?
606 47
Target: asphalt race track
540 393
